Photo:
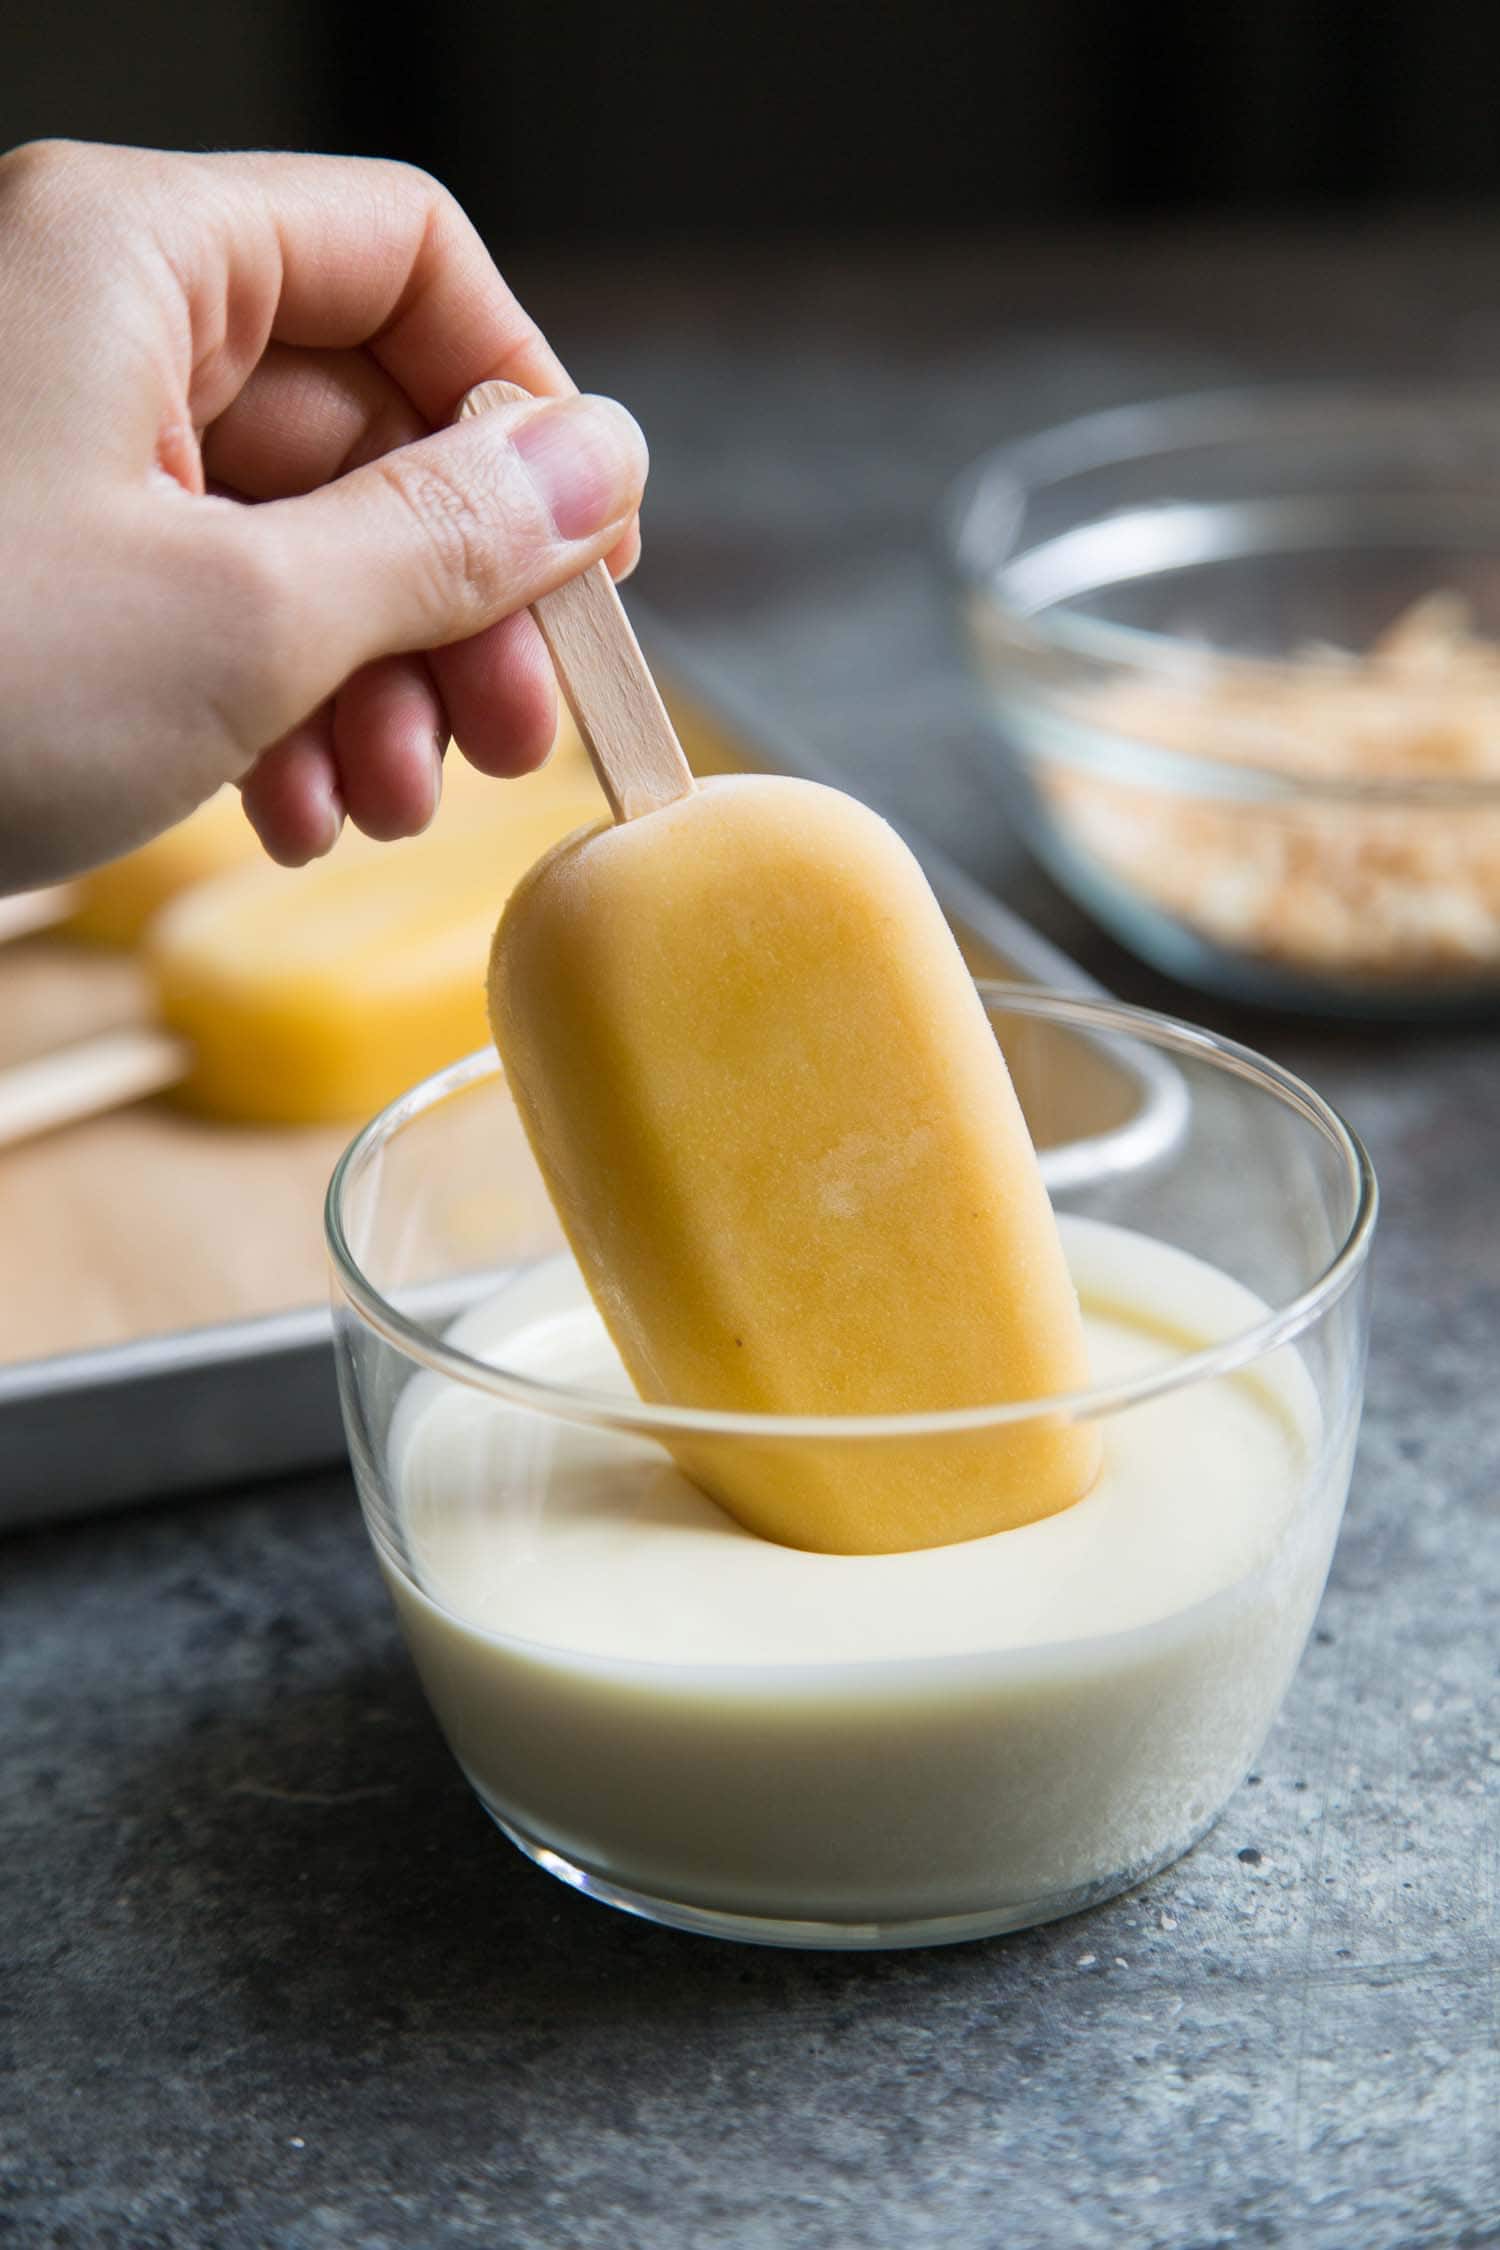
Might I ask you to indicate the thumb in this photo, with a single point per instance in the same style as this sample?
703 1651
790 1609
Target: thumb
436 540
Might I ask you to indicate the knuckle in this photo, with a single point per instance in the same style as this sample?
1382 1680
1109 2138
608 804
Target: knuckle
466 563
426 184
418 196
34 172
415 188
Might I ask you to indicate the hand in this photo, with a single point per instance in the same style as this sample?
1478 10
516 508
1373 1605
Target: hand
238 539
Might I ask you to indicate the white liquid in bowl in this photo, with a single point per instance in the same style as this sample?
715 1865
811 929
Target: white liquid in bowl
636 1683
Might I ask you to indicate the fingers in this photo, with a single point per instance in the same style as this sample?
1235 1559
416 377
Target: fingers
308 325
338 252
374 753
423 548
387 309
291 796
305 417
500 696
388 735
451 323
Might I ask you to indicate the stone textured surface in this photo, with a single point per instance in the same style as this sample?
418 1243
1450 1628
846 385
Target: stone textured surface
267 1979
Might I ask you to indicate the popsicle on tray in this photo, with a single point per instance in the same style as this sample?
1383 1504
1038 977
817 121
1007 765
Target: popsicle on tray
315 995
320 993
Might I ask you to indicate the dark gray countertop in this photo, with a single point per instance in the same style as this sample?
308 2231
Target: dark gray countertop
269 1980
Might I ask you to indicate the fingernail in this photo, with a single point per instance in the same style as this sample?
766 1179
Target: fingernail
625 570
439 745
327 826
332 823
587 459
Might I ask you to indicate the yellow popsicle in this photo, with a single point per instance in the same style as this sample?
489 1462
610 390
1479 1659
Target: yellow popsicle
784 1146
320 993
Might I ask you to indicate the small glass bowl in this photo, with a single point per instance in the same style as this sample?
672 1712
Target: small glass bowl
1170 610
938 1746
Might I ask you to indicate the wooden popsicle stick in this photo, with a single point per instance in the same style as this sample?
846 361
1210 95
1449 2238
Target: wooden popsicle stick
29 912
91 1076
605 679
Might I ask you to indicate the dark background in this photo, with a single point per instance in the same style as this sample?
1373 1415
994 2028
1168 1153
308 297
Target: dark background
602 123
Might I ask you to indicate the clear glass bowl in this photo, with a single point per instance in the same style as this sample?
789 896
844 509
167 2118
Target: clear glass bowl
1166 606
739 1738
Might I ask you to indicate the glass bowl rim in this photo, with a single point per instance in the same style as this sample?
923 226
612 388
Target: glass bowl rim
1220 413
1089 1011
1162 427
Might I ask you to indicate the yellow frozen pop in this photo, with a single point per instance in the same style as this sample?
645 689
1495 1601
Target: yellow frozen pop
780 1135
314 994
785 1149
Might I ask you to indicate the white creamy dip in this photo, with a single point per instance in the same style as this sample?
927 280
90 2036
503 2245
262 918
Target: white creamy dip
989 1730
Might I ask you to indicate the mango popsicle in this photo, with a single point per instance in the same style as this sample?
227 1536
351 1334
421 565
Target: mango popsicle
309 996
319 993
785 1149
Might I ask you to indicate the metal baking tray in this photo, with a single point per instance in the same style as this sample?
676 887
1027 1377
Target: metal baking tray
222 1405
